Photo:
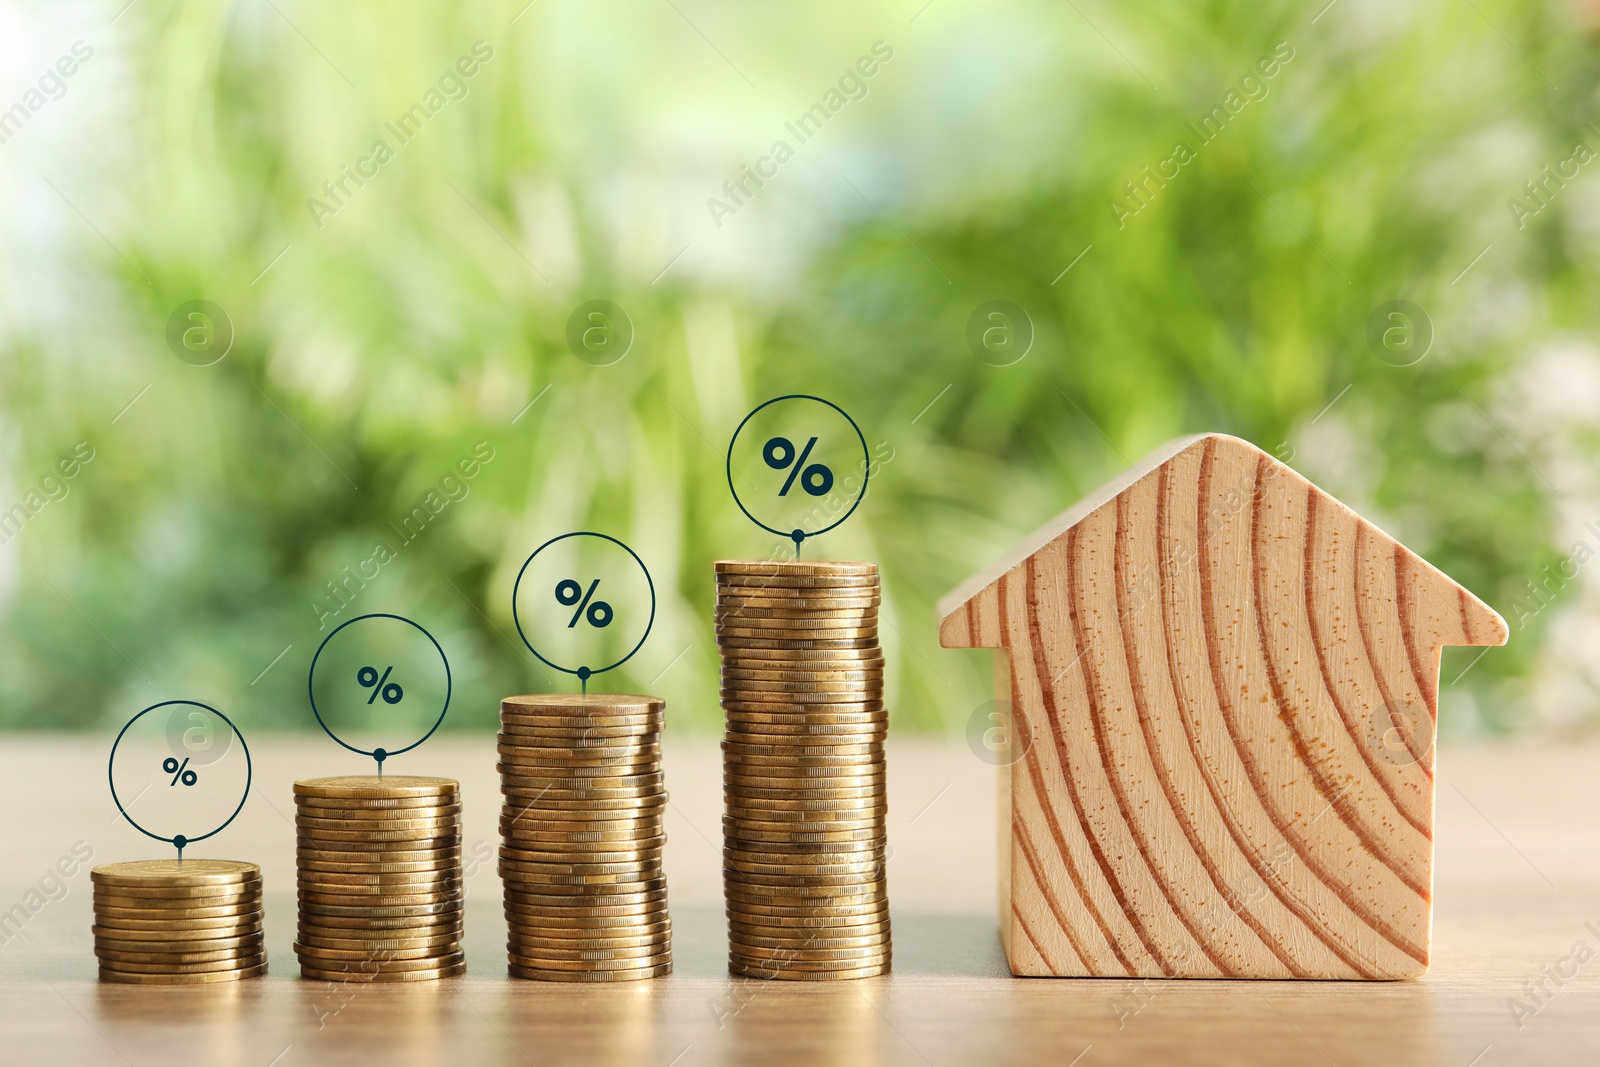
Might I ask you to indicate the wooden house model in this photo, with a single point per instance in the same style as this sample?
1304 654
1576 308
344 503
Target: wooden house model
1224 685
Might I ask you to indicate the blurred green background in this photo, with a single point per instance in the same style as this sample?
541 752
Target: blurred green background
1197 213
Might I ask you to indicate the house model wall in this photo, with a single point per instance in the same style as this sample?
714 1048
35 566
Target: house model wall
1224 685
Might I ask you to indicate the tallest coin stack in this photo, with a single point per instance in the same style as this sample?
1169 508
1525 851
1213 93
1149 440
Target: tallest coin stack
803 769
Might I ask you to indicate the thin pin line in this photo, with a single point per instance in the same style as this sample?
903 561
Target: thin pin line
889 1024
90 1022
313 45
492 1026
524 11
273 805
708 41
1494 426
1301 232
1501 832
274 263
499 631
690 1045
1471 665
669 266
1091 422
282 1054
673 664
96 229
1508 40
132 402
530 404
932 402
1474 263
897 229
1480 1055
1324 11
273 664
1113 45
915 649
1297 1030
1074 263
1332 402
131 803
97 630
692 826
920 13
307 436
923 810
498 230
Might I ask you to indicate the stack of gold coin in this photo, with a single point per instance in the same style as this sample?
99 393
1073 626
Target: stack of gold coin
586 899
165 922
803 773
379 878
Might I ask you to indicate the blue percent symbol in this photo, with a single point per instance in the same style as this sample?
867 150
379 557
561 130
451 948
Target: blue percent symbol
179 771
816 479
569 592
367 678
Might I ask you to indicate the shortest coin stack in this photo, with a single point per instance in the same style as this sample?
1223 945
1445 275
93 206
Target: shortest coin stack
379 878
167 922
586 900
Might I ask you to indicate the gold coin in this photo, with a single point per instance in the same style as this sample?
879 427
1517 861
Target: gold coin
869 656
441 907
757 641
379 851
737 636
582 775
512 721
802 820
821 894
116 956
390 824
529 827
812 585
222 923
804 851
776 670
805 915
388 965
795 713
781 607
527 952
798 625
375 806
796 778
542 975
858 754
319 898
424 808
591 852
804 734
432 889
180 896
109 975
545 963
596 702
796 567
858 926
582 753
379 787
757 807
515 733
741 861
582 874
154 938
566 939
175 873
365 973
629 881
601 903
450 864
637 926
343 957
864 939
555 779
110 915
383 840
255 959
565 809
875 951
771 970
308 932
364 881
735 795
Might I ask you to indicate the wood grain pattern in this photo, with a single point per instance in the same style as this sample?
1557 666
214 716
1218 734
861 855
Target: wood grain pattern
1228 682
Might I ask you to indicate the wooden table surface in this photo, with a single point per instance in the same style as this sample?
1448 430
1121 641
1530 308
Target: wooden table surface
1517 885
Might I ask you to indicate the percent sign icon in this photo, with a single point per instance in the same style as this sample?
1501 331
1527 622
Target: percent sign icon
569 592
779 453
178 771
367 678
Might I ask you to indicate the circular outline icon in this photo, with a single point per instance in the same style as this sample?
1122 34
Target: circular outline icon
176 330
1411 725
798 536
379 754
1418 319
179 840
577 329
998 715
976 331
583 673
